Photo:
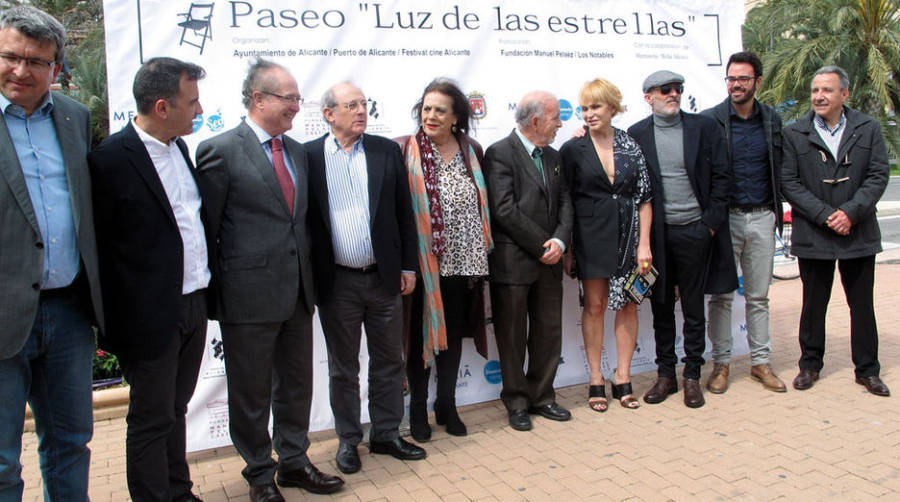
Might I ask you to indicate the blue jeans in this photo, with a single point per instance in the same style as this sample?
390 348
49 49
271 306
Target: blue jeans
53 373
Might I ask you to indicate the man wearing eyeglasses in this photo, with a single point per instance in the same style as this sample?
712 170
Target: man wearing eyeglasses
365 258
752 132
835 170
253 180
689 236
49 292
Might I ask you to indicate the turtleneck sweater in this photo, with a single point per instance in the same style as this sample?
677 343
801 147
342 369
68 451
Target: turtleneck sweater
679 202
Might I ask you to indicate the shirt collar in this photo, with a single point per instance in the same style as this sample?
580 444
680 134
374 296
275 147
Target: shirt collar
529 146
152 144
261 133
43 109
820 124
332 144
733 113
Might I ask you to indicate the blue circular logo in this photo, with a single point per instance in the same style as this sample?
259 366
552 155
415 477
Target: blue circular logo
198 123
492 372
565 110
215 122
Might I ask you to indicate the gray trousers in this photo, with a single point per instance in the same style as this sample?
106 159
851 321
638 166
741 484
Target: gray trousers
359 299
753 240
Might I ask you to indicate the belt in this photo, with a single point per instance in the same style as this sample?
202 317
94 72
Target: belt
757 208
368 269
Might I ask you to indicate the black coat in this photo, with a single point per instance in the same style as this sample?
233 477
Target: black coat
807 161
710 174
139 246
393 230
774 143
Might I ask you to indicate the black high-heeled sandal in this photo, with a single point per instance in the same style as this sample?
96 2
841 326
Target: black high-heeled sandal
597 398
625 394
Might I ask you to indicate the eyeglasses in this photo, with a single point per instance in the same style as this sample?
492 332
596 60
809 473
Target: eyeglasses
34 64
291 99
744 79
666 89
356 105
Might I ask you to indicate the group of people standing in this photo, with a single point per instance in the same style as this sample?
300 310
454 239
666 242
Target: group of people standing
398 237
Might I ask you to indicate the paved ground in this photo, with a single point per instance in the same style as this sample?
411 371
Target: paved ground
833 442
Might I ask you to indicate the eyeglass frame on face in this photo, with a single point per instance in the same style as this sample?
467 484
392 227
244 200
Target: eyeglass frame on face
34 64
290 99
352 106
743 79
666 89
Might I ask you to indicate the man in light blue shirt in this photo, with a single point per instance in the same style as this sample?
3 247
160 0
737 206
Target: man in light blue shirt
49 261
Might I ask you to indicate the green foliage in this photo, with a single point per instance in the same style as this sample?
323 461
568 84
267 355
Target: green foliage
88 66
796 37
106 365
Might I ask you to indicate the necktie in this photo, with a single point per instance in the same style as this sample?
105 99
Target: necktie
536 156
281 172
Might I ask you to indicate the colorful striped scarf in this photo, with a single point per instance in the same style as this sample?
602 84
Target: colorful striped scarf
434 330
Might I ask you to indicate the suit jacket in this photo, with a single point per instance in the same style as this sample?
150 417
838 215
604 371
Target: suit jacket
710 175
392 227
525 212
260 251
21 243
774 142
139 245
807 161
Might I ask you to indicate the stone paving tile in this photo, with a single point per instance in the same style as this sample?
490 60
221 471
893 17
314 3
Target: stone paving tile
833 442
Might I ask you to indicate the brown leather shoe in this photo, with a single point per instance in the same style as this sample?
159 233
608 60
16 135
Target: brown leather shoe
805 379
763 373
693 394
718 380
265 493
874 385
310 479
663 387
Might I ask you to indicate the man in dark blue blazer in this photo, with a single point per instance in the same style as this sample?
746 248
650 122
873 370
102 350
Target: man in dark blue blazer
154 271
364 252
691 244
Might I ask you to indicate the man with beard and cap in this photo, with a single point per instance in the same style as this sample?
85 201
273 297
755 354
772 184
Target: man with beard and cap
689 236
752 132
835 170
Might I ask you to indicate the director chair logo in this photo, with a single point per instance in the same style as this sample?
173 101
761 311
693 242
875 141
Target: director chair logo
196 25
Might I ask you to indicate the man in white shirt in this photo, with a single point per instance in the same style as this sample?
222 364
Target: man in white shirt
153 272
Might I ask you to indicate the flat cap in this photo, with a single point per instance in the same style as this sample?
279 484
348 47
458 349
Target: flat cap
662 77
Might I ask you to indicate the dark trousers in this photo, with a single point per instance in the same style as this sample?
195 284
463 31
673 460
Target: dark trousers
359 299
687 255
269 367
528 316
456 296
160 390
858 279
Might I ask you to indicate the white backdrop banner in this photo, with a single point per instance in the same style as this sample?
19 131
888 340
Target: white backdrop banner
497 51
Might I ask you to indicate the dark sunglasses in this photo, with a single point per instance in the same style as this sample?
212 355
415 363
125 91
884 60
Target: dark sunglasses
666 89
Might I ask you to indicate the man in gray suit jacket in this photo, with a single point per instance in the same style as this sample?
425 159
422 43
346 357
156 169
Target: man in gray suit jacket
532 223
48 261
253 181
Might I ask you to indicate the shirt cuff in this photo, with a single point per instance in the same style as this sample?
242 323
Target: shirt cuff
562 245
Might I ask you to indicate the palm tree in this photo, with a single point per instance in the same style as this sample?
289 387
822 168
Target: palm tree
861 36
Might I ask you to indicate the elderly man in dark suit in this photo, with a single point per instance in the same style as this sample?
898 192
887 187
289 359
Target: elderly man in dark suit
691 244
48 261
154 273
253 180
365 258
835 171
531 215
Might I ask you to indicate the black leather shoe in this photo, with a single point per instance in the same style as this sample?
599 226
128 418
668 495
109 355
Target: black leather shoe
347 459
418 421
693 394
310 479
519 420
874 385
663 388
265 493
805 379
552 411
188 497
398 448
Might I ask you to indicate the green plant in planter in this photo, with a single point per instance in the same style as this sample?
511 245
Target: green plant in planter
106 365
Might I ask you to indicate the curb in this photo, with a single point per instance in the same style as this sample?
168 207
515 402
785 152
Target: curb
108 403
